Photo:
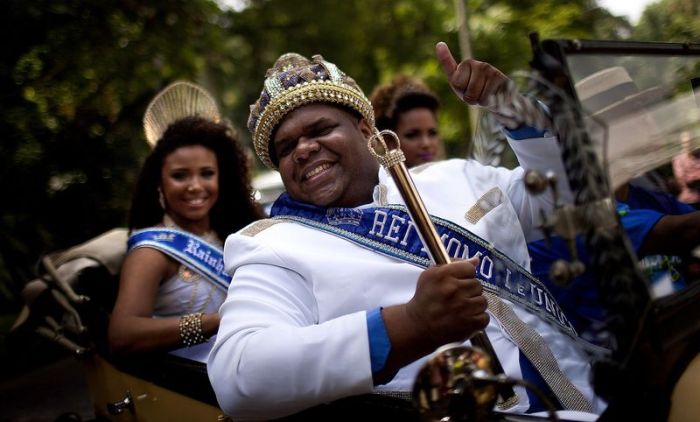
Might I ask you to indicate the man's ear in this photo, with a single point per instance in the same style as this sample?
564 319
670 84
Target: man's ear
365 128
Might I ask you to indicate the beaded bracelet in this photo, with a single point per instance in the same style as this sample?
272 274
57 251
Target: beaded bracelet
191 329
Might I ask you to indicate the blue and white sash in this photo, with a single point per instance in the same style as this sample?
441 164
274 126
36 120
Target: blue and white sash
389 231
192 251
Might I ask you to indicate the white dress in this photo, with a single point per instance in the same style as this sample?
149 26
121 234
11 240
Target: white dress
293 332
177 297
180 295
184 293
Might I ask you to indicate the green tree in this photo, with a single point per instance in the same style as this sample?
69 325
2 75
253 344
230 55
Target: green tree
372 40
670 20
75 79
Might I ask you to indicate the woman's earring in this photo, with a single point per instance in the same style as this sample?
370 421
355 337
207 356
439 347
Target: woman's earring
161 199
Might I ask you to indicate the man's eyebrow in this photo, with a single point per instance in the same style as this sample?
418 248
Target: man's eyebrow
316 124
310 127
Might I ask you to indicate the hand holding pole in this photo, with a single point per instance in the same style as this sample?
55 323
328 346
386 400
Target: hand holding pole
392 159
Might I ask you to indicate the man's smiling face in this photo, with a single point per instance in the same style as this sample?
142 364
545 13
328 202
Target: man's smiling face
323 157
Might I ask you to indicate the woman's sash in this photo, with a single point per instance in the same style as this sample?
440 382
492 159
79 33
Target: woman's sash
389 231
192 251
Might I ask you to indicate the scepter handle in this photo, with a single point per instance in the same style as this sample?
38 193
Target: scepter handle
393 161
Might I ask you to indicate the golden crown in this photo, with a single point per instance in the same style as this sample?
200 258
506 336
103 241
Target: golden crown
294 81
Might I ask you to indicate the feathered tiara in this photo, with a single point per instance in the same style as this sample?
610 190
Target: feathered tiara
178 100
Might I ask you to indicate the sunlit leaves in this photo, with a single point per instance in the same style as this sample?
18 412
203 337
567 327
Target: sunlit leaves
670 20
75 79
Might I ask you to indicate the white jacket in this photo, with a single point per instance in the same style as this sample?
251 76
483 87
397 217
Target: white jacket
293 330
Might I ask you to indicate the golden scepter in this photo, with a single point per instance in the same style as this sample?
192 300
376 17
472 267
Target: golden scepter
393 161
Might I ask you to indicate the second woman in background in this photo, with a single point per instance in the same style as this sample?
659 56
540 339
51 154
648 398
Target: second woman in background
409 108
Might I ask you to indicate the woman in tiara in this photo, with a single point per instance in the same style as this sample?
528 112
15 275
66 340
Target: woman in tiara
409 108
193 190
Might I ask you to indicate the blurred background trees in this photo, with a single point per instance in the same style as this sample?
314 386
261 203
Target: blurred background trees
76 76
75 80
670 20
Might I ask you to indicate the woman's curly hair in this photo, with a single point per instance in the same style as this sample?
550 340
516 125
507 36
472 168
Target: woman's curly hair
235 207
403 93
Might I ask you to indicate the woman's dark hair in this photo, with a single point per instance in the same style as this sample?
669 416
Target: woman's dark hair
235 207
404 93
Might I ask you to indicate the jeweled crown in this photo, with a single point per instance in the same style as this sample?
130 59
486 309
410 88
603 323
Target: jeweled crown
294 81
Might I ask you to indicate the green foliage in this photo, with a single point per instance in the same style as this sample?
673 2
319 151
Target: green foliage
372 40
670 20
75 80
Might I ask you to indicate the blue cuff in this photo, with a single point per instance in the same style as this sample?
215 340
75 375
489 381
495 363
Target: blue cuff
379 343
525 132
528 132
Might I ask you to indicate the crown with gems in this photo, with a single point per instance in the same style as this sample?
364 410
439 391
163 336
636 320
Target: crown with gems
294 81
